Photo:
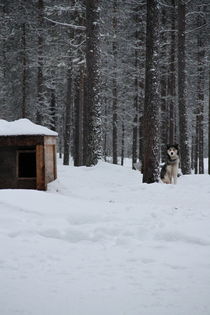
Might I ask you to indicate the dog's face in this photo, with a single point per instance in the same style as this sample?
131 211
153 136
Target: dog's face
173 151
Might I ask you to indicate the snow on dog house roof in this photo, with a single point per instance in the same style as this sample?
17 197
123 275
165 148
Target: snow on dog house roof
23 127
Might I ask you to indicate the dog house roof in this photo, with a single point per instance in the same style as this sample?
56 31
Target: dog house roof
23 127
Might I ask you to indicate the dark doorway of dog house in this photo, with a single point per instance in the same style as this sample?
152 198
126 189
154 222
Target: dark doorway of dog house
26 163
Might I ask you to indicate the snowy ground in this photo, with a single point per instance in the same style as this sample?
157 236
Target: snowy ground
100 242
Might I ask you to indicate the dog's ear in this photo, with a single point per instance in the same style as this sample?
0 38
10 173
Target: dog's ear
176 145
168 146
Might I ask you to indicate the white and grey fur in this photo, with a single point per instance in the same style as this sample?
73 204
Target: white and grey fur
169 171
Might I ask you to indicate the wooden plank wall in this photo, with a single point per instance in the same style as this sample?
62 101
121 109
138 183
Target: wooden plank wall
49 163
40 168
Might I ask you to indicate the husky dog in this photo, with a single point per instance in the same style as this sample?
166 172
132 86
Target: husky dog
169 171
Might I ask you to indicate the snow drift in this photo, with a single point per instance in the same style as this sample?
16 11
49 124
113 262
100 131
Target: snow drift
100 242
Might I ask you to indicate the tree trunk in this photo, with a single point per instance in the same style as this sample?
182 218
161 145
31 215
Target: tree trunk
182 92
164 84
53 109
164 117
196 145
201 45
76 121
40 79
23 107
114 124
136 93
4 60
193 153
123 141
67 125
94 138
141 142
135 133
209 131
152 92
105 130
85 122
114 88
79 112
172 78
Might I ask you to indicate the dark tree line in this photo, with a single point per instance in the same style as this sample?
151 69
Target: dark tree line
116 79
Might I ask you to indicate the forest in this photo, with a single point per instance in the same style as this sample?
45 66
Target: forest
117 81
115 78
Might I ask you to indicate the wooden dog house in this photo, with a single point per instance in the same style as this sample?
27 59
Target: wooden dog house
27 155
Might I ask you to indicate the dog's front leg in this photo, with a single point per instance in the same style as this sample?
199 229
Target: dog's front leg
174 176
175 180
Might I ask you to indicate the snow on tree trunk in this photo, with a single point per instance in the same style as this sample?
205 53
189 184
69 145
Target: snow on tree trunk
182 92
152 96
93 153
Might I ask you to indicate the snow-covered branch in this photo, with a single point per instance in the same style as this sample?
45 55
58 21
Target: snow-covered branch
75 27
195 29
